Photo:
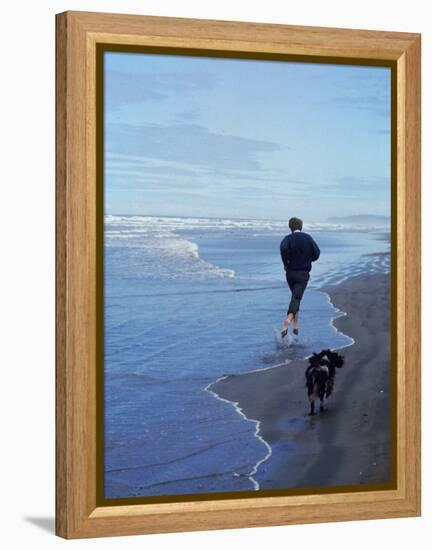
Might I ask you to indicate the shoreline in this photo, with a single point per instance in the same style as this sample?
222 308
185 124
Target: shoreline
348 444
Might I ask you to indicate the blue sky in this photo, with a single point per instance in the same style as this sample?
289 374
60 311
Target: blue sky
193 136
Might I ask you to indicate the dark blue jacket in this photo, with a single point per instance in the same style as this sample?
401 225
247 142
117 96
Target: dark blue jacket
298 251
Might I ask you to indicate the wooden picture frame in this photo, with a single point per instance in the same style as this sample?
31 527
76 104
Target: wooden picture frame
78 281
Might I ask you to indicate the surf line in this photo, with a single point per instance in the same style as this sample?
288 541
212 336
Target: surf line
337 313
239 411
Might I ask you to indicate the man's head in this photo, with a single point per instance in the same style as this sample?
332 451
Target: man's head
295 223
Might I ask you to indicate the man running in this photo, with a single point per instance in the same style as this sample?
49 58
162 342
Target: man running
298 251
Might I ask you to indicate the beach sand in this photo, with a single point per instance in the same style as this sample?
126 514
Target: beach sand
350 443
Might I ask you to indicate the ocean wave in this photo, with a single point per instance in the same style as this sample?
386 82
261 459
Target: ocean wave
167 248
162 252
168 223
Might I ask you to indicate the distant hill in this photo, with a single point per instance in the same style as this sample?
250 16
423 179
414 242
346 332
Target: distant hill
360 219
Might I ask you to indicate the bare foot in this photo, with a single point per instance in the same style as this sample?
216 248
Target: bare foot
284 330
296 324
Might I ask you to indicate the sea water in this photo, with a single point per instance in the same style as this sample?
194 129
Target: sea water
188 301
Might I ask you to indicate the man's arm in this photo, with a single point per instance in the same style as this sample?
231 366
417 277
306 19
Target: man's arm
315 250
285 251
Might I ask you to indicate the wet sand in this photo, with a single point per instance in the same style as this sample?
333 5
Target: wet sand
350 443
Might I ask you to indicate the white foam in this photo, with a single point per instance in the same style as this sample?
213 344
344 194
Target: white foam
367 264
338 313
262 226
162 252
239 410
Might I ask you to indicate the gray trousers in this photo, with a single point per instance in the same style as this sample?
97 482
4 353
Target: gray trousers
297 282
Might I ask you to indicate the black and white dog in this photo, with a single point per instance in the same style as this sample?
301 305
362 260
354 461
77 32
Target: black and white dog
320 376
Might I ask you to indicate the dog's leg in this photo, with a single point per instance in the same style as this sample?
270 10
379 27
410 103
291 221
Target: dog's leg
322 408
312 406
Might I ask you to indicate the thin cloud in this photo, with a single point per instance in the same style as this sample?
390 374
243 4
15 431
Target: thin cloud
191 144
189 114
363 180
360 185
373 103
122 164
127 88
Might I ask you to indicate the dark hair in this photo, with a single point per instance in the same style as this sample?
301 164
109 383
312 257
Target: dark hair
295 223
